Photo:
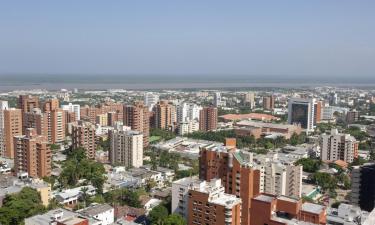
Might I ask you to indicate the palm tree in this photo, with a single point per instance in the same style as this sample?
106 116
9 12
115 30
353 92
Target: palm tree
84 195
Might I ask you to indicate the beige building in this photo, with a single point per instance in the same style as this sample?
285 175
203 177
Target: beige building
12 127
165 115
3 106
282 179
137 117
102 119
28 102
83 136
126 148
32 154
208 119
336 146
205 202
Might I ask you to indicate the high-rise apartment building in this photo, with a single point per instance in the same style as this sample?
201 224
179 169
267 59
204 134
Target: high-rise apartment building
352 116
102 119
187 127
12 127
208 119
51 104
35 119
318 110
301 111
187 112
112 118
203 202
83 136
236 170
88 113
164 115
218 102
363 186
137 117
151 100
126 148
28 102
56 122
333 99
32 154
3 106
74 108
282 179
336 146
249 99
269 102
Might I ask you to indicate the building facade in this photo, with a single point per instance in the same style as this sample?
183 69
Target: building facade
32 154
28 102
164 115
235 168
12 127
83 136
336 146
3 106
208 119
269 102
205 202
126 148
363 186
137 117
301 111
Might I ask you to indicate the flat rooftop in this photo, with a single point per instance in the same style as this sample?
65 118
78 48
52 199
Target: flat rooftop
312 208
264 198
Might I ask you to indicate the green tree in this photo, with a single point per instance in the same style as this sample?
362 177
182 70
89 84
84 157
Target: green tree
157 215
17 207
77 167
309 165
325 180
174 219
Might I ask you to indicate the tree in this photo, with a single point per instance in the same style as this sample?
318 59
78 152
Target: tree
297 139
157 215
123 196
77 167
309 165
17 207
325 180
174 219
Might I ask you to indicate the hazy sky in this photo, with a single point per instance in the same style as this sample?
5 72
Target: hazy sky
298 38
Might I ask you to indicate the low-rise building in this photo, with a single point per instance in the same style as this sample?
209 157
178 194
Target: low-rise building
281 210
261 129
69 197
102 212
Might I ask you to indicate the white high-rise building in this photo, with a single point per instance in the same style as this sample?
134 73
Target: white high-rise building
126 148
73 108
150 100
249 99
282 179
301 111
3 106
187 112
336 146
188 127
217 100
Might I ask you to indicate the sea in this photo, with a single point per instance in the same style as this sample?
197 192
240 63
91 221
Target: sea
154 82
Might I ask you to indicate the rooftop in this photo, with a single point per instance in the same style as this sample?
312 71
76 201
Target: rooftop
312 208
265 198
254 116
95 209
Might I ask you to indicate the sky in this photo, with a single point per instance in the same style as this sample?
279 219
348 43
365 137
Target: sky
334 38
